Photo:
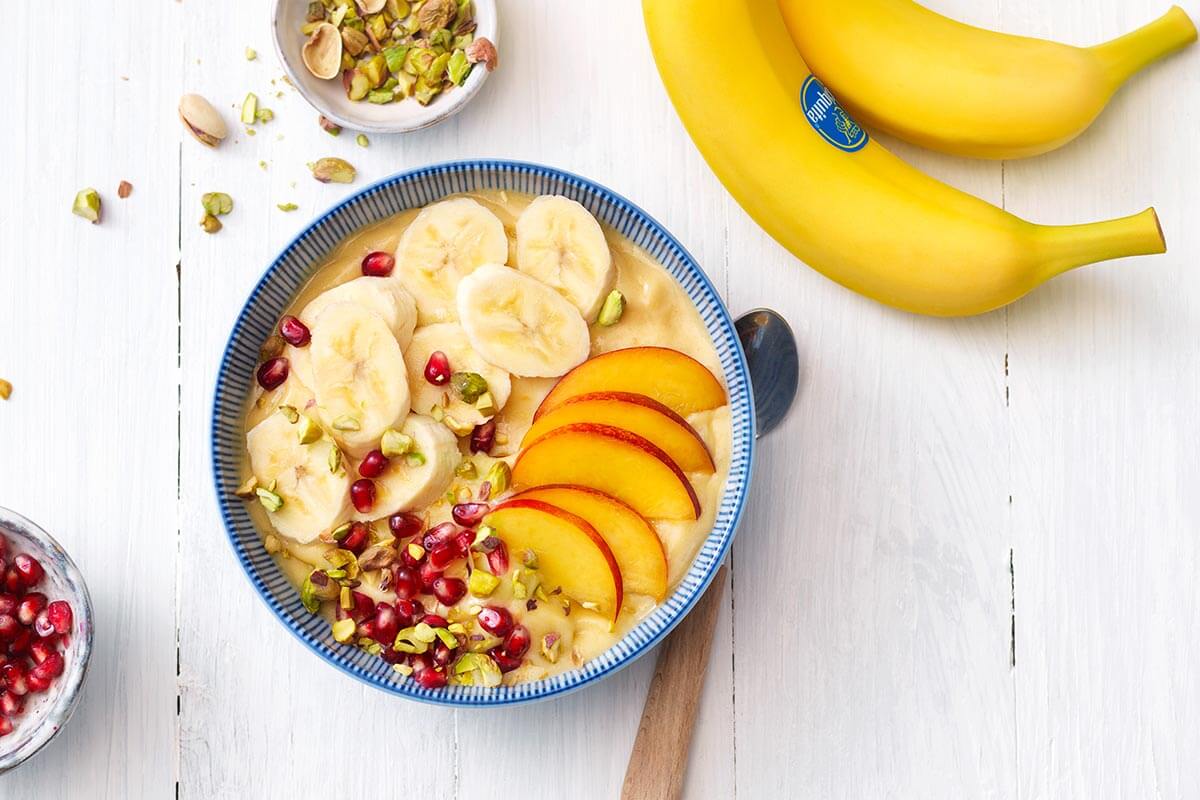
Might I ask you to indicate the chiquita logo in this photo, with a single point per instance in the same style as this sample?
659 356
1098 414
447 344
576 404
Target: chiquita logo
829 119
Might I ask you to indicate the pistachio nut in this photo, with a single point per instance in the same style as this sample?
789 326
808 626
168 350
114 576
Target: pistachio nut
87 205
457 68
434 14
343 630
286 206
333 170
330 127
613 308
246 490
322 53
210 224
269 499
272 347
202 119
216 203
482 51
394 443
362 140
309 431
354 41
251 54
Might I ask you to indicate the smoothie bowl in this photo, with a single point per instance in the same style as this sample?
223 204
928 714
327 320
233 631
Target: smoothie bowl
482 434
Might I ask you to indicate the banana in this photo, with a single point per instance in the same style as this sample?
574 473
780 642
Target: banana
409 483
562 245
965 90
359 378
386 297
817 182
314 497
446 241
451 339
520 324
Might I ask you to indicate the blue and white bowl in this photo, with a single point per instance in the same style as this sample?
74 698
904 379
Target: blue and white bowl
296 264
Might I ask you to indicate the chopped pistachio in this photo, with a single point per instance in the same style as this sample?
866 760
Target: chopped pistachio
354 41
287 206
362 140
339 14
343 630
457 67
481 583
456 425
272 347
438 413
340 532
264 115
347 423
466 469
446 637
336 573
87 205
416 551
456 628
346 599
308 596
335 170
327 125
270 500
499 476
402 669
520 590
613 308
529 558
381 96
309 431
290 412
551 644
262 165
394 443
250 108
424 91
251 54
338 557
251 132
335 460
245 491
414 459
216 203
272 544
468 385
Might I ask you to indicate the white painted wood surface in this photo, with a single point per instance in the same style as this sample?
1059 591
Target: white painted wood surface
866 648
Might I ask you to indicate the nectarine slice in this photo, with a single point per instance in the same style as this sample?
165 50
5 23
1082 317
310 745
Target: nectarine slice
627 466
635 413
571 554
634 544
678 381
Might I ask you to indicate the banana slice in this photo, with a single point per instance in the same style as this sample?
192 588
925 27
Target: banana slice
561 244
407 485
314 498
520 324
358 376
446 241
451 339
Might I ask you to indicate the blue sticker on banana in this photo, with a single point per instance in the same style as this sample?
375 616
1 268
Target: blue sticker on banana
829 119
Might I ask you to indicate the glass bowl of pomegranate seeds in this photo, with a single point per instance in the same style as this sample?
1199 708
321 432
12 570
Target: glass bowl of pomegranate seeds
45 638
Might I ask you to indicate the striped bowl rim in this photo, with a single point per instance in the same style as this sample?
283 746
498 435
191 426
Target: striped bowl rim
297 262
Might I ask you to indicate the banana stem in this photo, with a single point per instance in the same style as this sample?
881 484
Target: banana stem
1127 54
1066 247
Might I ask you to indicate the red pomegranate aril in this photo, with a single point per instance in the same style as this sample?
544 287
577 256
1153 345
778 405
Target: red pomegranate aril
357 537
13 582
442 556
496 620
435 621
408 611
362 494
449 591
363 608
497 559
6 726
391 656
40 650
428 573
404 525
516 644
49 669
365 630
9 626
442 655
469 514
271 374
38 683
30 605
405 583
42 625
294 332
10 704
430 679
378 264
387 624
421 662
483 437
61 616
20 642
8 603
15 679
504 661
437 368
463 542
29 567
439 535
373 465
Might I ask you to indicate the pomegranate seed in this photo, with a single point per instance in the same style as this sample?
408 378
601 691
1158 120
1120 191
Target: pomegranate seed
496 620
40 650
362 494
364 607
294 332
483 437
439 535
271 374
373 465
378 264
418 608
13 582
463 542
430 678
469 514
29 567
442 655
61 616
404 525
409 611
10 704
359 534
435 621
15 679
437 368
20 642
449 591
421 662
409 560
428 573
516 644
387 624
391 656
6 726
504 661
442 556
49 669
42 625
497 559
405 583
365 630
9 625
38 683
30 605
8 604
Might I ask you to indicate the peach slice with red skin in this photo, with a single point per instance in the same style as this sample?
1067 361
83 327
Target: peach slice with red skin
634 544
674 379
571 554
629 467
635 413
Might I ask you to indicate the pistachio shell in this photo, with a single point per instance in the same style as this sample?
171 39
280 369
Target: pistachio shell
201 119
322 53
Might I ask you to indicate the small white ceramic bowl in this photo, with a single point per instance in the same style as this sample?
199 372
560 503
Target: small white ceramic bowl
329 98
46 714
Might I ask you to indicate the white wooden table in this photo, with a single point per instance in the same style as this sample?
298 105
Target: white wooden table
969 564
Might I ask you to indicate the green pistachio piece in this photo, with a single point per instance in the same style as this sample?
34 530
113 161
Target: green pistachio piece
486 405
404 85
335 460
270 501
264 115
613 308
437 412
468 385
551 644
354 41
251 54
520 590
323 586
343 630
245 491
316 12
436 72
362 140
378 26
272 544
500 477
402 669
210 224
339 15
347 423
329 126
293 416
308 597
309 431
376 70
394 443
457 426
414 459
87 205
446 637
341 531
462 42
360 84
424 91
418 59
457 67
434 14
481 583
416 551
216 203
250 108
394 56
337 557
333 170
381 96
286 206
440 39
466 469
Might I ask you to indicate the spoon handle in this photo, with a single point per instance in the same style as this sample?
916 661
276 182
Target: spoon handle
659 758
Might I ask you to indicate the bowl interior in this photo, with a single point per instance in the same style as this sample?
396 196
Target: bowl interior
330 99
297 263
45 714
